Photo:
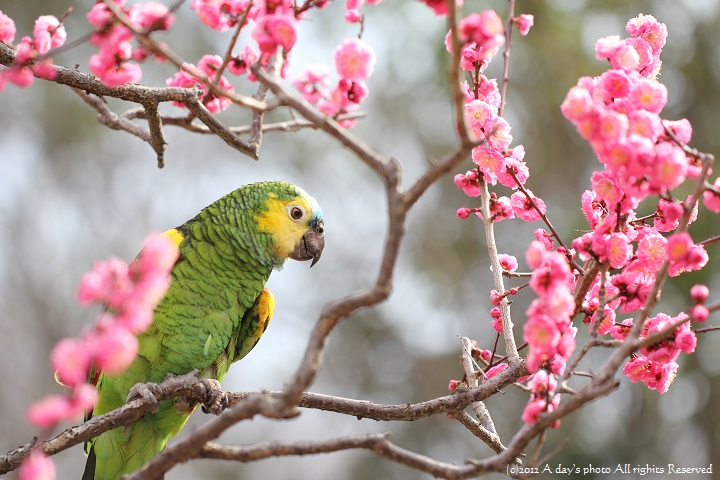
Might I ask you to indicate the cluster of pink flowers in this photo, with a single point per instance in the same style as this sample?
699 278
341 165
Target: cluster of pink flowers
209 66
128 293
548 330
112 64
222 15
481 35
542 397
354 61
31 59
618 113
655 365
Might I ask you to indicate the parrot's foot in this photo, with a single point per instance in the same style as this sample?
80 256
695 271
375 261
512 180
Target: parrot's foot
146 392
215 399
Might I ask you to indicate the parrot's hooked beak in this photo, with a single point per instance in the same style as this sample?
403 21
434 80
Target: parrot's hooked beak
310 245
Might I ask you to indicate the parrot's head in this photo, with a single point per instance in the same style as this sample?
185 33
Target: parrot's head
294 221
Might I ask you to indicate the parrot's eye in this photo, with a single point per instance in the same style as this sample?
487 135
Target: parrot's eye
296 213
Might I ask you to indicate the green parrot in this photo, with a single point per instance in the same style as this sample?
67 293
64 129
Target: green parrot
213 313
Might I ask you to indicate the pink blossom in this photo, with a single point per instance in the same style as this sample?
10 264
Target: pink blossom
645 124
545 237
273 31
50 410
523 207
48 33
651 251
686 340
607 320
667 215
453 384
711 197
542 335
542 399
468 183
221 15
7 28
151 16
552 274
37 466
484 28
524 22
591 208
440 7
71 359
100 16
490 162
508 262
578 104
239 64
649 29
487 90
110 278
114 349
312 83
669 168
681 129
620 331
500 208
494 371
159 254
607 187
354 59
352 92
614 84
612 126
514 174
497 134
649 95
678 246
618 251
533 409
477 115
535 254
83 398
620 54
115 75
208 65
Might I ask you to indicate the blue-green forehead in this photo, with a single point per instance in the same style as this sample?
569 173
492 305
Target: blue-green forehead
316 210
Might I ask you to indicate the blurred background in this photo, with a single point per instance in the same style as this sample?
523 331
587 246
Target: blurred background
73 191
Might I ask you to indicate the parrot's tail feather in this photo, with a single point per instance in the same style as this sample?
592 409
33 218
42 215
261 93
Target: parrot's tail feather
89 473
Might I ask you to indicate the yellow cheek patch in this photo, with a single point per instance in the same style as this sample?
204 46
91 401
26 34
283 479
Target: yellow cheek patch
276 221
175 236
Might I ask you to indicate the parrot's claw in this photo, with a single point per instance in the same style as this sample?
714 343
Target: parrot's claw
146 392
215 399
